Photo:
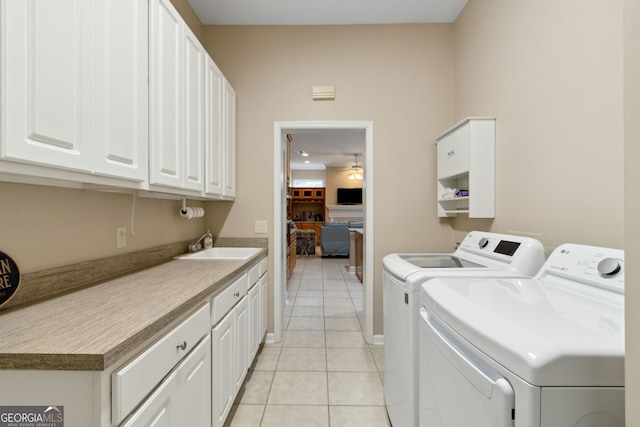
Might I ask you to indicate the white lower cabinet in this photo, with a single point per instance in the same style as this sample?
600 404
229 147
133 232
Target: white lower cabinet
255 310
161 407
257 315
236 337
174 352
241 364
189 375
194 382
229 360
264 282
183 398
222 356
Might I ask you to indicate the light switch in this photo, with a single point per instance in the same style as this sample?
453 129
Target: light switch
261 226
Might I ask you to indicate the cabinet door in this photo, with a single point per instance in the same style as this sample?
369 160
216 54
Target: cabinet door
255 312
122 101
48 82
194 376
453 152
223 354
194 56
229 141
160 409
165 96
213 128
263 303
242 339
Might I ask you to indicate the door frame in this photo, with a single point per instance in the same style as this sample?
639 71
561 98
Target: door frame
280 128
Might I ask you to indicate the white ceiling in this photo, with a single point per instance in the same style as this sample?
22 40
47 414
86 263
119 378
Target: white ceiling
326 12
327 148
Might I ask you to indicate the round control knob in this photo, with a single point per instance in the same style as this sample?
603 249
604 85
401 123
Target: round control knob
609 267
483 243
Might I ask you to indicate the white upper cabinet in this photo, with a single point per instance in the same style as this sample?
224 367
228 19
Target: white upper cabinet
466 169
214 81
122 90
74 91
453 153
48 82
220 105
165 94
229 141
113 93
194 129
177 130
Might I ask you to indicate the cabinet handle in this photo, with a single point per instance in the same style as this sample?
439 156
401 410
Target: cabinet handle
451 153
237 294
182 345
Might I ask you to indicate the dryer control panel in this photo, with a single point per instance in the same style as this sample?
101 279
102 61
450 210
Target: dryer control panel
597 266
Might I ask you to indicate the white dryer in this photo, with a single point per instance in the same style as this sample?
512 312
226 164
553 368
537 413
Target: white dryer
547 351
480 254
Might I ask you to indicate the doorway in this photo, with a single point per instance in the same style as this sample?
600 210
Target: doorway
280 280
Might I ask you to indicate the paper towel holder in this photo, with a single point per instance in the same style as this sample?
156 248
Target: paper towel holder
190 213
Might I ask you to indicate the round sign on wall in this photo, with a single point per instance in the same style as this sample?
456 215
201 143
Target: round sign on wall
9 278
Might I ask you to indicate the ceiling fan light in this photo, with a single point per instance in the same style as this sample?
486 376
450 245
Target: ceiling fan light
355 173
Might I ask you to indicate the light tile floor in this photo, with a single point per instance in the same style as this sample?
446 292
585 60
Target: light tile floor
323 373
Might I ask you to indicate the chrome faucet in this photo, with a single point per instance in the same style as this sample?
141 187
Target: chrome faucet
197 246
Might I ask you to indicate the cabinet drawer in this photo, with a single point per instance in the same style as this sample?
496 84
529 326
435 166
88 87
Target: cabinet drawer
453 152
138 378
263 264
228 298
254 275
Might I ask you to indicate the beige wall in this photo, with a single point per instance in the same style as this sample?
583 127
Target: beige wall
551 73
632 206
46 227
398 76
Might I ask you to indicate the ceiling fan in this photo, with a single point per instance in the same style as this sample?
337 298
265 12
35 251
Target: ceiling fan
355 171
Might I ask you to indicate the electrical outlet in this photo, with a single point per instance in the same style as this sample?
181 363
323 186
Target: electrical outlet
121 237
260 226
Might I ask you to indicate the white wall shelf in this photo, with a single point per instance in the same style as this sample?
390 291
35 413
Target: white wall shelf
466 161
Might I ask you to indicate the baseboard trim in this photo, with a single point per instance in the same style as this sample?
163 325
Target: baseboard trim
378 340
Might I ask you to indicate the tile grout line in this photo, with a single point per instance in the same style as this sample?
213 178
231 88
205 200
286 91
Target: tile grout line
327 273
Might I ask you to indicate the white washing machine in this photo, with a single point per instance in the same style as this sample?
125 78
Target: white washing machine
480 254
547 351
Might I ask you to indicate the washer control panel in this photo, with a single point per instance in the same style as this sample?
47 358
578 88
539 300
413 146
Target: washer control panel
517 254
486 243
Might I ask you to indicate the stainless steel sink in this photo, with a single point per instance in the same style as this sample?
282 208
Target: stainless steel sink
221 253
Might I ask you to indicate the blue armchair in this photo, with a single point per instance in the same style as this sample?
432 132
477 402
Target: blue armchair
334 239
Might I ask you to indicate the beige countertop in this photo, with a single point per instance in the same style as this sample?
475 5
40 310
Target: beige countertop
92 328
